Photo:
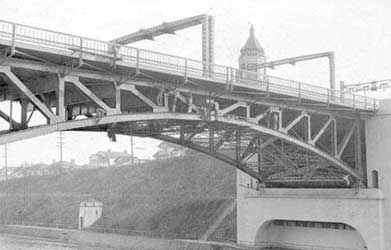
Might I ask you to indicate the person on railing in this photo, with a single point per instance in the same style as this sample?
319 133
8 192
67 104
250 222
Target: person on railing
114 50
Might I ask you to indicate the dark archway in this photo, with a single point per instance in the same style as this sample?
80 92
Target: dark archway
309 235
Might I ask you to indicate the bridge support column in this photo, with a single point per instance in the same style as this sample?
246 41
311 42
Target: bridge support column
117 98
378 144
60 110
23 112
311 218
275 118
360 167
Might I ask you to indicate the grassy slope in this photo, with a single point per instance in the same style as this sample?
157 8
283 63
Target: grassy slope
177 197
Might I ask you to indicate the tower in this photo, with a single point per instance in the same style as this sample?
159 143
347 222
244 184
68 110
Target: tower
252 55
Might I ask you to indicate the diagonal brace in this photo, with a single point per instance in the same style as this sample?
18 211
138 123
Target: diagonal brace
226 136
285 158
249 151
294 122
321 131
232 107
345 140
141 96
90 94
15 81
260 116
9 119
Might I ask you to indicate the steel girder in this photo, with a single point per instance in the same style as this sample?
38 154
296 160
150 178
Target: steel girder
267 141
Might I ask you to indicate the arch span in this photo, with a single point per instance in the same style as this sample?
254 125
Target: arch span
238 161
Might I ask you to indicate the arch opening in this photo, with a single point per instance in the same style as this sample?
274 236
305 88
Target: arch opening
308 235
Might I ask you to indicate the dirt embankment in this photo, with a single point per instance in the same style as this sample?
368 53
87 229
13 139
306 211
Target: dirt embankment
175 198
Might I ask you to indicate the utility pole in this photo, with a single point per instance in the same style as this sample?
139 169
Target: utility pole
60 144
5 162
131 148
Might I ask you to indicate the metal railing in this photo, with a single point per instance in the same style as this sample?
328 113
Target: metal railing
17 34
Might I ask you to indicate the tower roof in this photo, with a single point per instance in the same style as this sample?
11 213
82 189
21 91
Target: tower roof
252 42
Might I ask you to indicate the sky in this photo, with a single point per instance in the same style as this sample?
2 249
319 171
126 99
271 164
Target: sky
359 32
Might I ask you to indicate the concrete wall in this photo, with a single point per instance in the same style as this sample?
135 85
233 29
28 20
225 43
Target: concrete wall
89 215
92 240
362 209
378 146
302 237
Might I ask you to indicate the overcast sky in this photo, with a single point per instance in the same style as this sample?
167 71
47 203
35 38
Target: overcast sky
358 31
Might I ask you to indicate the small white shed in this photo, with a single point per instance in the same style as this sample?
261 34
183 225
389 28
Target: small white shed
90 211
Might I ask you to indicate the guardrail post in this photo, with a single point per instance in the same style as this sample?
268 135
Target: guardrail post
354 101
232 75
228 87
299 100
267 86
365 102
328 97
81 51
137 61
13 39
185 70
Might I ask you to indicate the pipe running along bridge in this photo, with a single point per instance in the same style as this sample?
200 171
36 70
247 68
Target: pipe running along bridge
276 130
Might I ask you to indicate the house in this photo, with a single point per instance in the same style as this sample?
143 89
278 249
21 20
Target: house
168 150
12 172
38 169
89 212
110 158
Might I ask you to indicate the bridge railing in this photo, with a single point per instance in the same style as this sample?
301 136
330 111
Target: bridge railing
17 33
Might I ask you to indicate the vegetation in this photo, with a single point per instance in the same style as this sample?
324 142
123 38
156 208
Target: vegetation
178 197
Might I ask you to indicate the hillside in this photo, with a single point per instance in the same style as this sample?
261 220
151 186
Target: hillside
179 197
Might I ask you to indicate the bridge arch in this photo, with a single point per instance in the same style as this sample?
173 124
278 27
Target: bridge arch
85 124
309 235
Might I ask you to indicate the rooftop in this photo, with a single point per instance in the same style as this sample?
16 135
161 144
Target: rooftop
252 43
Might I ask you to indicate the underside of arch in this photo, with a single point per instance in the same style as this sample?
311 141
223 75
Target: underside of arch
234 141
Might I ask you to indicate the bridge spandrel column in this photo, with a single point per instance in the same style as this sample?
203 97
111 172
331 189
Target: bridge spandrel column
23 113
60 95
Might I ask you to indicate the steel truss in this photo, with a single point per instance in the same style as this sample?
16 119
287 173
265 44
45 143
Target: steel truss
272 139
273 144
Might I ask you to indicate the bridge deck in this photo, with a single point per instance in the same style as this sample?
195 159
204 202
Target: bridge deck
59 48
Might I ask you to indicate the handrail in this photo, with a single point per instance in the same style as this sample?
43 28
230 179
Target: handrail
176 64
